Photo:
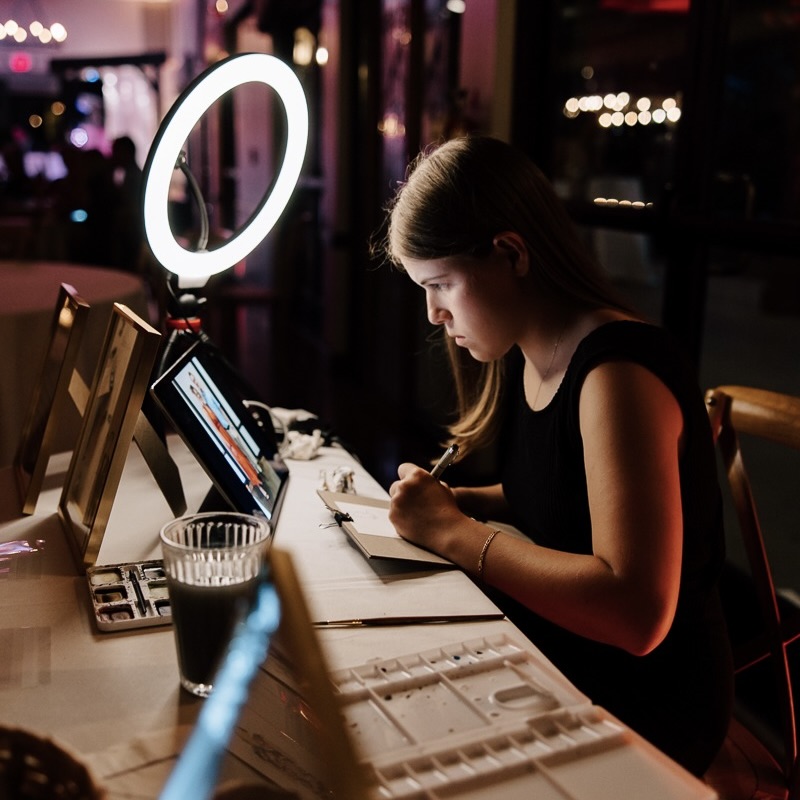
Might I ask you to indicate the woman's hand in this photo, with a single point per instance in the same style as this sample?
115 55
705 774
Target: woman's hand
422 509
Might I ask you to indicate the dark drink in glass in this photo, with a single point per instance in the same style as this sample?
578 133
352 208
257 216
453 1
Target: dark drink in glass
213 562
204 618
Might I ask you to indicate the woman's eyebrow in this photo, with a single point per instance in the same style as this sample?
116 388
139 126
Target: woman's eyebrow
433 278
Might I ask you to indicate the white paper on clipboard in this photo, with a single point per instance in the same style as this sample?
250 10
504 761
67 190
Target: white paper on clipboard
366 521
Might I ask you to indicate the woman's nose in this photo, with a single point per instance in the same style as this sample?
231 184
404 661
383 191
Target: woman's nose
436 315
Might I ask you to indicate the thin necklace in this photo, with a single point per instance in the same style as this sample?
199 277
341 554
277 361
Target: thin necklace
549 367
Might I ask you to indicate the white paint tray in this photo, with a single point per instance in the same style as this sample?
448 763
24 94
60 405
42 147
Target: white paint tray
488 718
484 718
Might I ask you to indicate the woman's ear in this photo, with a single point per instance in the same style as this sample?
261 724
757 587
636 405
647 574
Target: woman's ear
512 246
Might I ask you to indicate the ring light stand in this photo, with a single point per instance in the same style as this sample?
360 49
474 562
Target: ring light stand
183 320
189 270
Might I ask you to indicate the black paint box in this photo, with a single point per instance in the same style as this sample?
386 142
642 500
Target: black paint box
128 596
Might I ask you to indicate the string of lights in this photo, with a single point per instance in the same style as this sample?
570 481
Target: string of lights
28 28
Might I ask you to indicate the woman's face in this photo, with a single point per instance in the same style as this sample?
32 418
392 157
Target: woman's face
476 300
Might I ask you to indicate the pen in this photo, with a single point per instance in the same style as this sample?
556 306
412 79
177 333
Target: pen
445 461
140 601
411 619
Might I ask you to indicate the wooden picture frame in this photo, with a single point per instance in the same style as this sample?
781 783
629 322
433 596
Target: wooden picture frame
115 400
49 399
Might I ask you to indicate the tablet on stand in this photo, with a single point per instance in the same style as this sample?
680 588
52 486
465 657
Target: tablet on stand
206 400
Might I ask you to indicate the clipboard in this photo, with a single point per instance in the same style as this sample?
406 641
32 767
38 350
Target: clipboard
366 522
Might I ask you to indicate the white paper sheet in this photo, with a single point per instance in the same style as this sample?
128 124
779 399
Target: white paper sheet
374 521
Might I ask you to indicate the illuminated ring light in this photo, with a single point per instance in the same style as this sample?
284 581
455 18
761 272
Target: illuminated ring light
196 99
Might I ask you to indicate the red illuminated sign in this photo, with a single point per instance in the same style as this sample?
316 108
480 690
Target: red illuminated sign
20 62
646 6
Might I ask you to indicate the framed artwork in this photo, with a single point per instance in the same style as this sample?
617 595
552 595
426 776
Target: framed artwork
112 410
50 395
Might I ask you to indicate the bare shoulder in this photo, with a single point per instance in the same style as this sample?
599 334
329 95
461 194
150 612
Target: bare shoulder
626 396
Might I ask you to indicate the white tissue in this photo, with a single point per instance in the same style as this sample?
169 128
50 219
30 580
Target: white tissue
301 446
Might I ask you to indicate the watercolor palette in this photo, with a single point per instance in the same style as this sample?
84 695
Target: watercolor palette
128 596
477 716
485 717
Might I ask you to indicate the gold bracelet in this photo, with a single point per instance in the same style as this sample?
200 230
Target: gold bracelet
482 556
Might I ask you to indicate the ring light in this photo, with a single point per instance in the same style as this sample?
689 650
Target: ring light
198 97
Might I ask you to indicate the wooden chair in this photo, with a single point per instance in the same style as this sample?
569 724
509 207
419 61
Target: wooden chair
747 767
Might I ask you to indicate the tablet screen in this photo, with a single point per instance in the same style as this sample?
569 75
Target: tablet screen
204 398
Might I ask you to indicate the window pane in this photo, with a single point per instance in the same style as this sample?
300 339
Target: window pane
619 68
757 170
752 338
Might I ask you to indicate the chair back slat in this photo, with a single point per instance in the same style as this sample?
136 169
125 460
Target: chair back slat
735 410
770 415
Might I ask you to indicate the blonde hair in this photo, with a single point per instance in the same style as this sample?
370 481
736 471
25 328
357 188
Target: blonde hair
456 198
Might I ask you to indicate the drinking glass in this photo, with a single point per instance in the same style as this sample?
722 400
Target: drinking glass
213 562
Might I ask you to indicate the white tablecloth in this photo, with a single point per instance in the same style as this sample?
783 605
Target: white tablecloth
114 698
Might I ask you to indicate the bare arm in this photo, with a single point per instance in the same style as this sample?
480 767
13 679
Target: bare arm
625 592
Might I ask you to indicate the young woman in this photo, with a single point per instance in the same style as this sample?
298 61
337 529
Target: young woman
606 459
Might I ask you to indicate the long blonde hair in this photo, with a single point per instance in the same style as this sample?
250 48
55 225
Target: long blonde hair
457 197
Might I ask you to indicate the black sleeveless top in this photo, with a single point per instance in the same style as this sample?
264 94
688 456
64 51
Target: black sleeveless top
679 695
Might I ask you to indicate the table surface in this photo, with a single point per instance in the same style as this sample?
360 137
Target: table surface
28 293
32 286
114 698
